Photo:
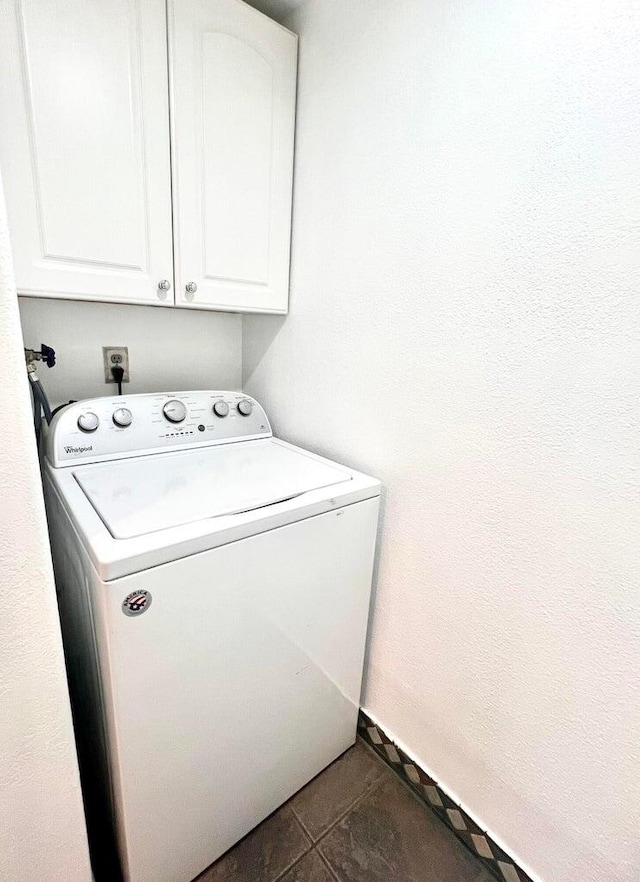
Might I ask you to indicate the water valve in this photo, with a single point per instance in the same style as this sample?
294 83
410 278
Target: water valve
46 355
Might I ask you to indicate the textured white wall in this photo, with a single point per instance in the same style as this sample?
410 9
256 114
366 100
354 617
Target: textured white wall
42 832
169 349
465 325
276 9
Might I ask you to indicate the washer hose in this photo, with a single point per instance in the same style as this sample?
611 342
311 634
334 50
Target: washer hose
40 406
37 412
41 395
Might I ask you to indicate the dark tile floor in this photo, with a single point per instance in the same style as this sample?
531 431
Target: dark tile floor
355 822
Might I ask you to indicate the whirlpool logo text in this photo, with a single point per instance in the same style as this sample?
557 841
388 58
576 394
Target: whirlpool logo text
79 449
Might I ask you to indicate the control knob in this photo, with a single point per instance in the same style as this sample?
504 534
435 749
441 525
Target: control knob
122 417
174 411
221 408
88 422
245 407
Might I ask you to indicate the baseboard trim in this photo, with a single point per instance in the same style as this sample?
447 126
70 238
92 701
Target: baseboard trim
431 794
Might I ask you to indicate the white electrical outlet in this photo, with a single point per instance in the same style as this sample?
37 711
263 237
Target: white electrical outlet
114 356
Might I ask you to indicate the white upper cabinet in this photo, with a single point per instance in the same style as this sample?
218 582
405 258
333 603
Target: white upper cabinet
84 148
233 84
87 93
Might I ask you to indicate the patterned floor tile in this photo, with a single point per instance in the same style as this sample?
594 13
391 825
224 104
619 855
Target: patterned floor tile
265 854
434 797
334 791
390 836
310 869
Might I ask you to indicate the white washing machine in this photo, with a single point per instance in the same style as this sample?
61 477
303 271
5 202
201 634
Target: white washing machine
214 588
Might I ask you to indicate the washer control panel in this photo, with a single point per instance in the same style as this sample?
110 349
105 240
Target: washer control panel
134 425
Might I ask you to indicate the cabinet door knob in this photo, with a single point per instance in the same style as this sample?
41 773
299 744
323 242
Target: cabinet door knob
191 287
164 285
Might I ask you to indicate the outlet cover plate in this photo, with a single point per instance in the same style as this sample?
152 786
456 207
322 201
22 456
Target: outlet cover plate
113 355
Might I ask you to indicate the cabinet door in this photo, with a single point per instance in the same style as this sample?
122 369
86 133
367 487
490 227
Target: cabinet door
233 81
84 147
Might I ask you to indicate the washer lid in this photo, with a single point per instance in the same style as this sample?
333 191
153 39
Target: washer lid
138 496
